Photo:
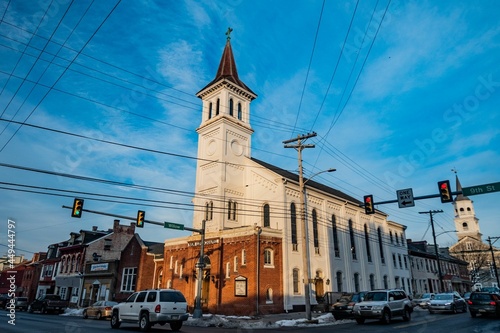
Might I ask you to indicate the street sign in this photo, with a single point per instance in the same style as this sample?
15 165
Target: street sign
405 198
481 189
173 226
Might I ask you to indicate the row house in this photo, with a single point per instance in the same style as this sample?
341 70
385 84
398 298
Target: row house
425 272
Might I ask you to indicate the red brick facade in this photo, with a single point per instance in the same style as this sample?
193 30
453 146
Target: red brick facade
232 281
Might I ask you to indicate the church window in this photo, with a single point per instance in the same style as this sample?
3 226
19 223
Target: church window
461 209
267 217
239 111
231 210
231 107
397 238
336 246
209 211
243 257
367 242
293 225
468 246
390 236
353 244
465 226
315 231
210 110
217 107
269 296
468 209
268 258
380 245
295 278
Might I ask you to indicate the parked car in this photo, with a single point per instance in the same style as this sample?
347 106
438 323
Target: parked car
48 303
447 302
484 303
99 310
495 290
342 309
4 298
383 305
21 303
423 300
150 307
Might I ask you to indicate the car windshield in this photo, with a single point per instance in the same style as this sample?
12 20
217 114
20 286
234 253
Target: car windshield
443 297
426 296
376 296
356 298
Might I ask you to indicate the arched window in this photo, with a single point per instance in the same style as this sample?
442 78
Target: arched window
468 209
209 211
210 110
353 243
159 278
293 225
231 107
465 226
390 236
269 296
243 257
268 257
462 209
367 242
231 210
295 278
217 107
315 231
240 115
356 282
372 282
381 245
339 281
267 217
336 246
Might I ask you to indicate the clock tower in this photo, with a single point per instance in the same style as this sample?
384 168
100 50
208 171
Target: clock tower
224 146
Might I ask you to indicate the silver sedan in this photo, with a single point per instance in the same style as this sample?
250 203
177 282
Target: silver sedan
447 302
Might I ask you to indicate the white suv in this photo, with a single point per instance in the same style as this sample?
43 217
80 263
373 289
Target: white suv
150 307
383 305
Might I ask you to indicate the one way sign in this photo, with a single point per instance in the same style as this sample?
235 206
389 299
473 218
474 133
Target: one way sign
405 198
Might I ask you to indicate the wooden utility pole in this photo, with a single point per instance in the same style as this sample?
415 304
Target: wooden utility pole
431 213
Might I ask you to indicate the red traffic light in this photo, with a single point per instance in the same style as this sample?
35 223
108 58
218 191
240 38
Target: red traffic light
444 191
368 199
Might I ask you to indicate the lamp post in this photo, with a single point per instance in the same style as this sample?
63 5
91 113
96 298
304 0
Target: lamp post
305 247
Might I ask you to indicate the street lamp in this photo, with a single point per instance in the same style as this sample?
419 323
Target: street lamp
305 247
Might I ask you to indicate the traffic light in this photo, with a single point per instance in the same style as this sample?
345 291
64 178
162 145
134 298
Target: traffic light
140 218
368 199
444 191
77 208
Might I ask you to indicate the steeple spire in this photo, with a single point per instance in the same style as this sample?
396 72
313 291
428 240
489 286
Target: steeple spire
459 188
227 68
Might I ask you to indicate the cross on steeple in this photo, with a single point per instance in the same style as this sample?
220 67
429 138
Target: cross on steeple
228 33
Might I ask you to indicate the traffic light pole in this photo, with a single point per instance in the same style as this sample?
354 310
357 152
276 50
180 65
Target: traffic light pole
440 276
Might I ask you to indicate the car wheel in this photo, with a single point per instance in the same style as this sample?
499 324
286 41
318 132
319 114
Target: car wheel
144 324
44 310
386 317
407 315
85 315
360 321
115 321
30 309
98 315
176 325
473 314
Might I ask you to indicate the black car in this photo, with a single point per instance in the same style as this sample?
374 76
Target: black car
342 309
4 299
484 303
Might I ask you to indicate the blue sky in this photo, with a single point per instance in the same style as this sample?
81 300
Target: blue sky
400 93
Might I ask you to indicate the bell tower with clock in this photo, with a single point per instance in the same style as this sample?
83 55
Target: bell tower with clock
224 146
466 222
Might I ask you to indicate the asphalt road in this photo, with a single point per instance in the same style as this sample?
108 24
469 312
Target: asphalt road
422 322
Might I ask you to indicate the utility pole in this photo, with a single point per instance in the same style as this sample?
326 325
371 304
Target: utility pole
493 258
440 276
299 146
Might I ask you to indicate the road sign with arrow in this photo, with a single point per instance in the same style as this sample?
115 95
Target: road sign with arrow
405 198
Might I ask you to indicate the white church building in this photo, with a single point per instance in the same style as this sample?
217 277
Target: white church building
254 242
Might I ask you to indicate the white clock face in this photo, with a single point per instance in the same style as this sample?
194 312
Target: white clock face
236 148
211 147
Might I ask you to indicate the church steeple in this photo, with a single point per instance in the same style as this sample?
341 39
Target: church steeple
466 222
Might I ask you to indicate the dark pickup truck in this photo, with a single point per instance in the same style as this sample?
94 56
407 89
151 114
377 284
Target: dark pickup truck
48 303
